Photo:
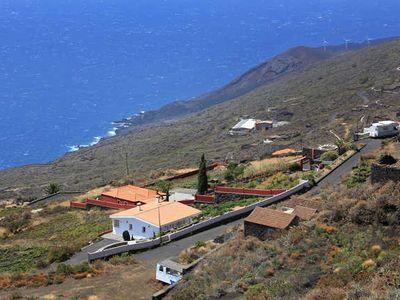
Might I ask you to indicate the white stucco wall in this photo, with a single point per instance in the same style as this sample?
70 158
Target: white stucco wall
137 227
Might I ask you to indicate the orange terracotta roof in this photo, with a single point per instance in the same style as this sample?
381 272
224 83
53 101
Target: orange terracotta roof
133 194
304 213
284 151
169 212
270 217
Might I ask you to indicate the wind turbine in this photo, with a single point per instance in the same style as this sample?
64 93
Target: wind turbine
347 41
325 42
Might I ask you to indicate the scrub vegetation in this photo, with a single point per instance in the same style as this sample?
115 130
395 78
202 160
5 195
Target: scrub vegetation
350 250
52 235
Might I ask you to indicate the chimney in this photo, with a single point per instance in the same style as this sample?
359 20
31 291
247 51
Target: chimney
139 206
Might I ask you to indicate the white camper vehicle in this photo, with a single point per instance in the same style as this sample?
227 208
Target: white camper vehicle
382 129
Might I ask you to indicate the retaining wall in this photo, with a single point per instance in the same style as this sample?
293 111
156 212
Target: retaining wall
199 226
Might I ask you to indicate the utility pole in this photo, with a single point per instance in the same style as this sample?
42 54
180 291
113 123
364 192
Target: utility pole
159 218
356 135
126 164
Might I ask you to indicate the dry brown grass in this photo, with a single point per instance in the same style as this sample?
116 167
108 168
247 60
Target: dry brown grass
269 165
4 232
91 194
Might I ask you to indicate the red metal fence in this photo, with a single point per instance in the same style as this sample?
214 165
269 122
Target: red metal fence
77 205
109 204
204 198
253 192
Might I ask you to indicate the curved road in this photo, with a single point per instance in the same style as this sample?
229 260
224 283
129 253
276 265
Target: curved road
337 175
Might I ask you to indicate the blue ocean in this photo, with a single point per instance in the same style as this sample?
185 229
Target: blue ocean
69 68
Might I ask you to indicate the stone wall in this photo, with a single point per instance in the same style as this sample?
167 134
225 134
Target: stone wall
256 230
383 173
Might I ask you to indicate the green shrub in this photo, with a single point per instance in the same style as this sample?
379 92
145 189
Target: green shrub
122 259
52 188
200 244
63 269
309 176
126 236
329 156
282 181
295 167
163 186
233 171
257 291
82 268
360 173
60 253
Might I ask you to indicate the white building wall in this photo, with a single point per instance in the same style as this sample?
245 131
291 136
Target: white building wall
136 228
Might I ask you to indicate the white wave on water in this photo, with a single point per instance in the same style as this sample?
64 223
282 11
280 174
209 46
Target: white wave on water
112 132
73 148
95 141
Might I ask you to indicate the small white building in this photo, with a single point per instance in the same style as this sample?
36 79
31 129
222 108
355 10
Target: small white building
169 271
382 129
146 221
181 194
243 127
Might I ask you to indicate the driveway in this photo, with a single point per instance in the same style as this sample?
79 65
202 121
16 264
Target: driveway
337 175
81 256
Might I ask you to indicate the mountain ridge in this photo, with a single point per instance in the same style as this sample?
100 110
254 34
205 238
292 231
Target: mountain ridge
292 60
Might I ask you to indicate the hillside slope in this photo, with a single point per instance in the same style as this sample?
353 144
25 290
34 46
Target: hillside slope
293 60
350 251
330 95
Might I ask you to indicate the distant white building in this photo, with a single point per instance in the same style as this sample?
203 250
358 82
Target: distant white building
382 129
243 127
147 221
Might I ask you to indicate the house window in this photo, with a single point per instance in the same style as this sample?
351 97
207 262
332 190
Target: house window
130 226
143 229
161 268
116 223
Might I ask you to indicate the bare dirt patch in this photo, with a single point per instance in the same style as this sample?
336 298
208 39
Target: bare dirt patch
118 282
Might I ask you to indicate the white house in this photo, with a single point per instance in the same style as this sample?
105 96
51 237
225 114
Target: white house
382 129
146 221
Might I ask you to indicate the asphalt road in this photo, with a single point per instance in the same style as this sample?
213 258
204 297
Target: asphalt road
176 247
337 175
